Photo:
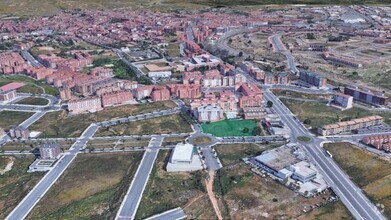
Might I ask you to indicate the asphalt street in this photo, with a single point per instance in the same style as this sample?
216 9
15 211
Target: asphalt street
173 214
133 196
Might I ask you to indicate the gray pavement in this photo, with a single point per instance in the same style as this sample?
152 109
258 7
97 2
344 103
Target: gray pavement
133 196
173 214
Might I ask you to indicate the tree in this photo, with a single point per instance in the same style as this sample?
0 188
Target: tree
269 104
310 36
246 130
307 121
240 54
257 131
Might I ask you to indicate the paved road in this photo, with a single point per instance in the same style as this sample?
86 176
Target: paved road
173 214
31 60
35 195
279 46
32 119
133 197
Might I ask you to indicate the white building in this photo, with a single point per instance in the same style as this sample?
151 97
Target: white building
209 113
302 171
160 74
184 158
342 101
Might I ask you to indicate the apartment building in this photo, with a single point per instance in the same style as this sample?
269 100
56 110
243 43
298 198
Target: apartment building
192 78
185 91
49 151
342 101
160 94
366 95
8 91
12 63
313 79
349 126
209 113
332 58
117 98
92 104
20 132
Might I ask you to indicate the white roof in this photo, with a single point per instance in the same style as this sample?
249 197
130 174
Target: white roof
182 152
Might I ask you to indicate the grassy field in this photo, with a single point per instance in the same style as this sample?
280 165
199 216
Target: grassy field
93 187
32 86
227 128
367 170
93 144
165 191
161 125
319 114
33 101
11 118
245 195
232 153
16 183
59 124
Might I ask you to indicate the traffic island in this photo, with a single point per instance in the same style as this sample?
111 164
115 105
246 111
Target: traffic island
304 139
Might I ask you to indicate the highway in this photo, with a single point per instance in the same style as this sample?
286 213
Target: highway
128 208
34 196
351 195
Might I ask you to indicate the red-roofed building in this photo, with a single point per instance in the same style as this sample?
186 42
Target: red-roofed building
8 92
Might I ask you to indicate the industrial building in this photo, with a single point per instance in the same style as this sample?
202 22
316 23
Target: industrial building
184 158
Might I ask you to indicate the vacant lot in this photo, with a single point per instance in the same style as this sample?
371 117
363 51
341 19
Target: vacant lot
245 195
93 187
9 119
93 144
319 114
367 170
161 125
228 128
32 86
335 210
173 140
60 124
33 146
33 101
16 183
233 153
165 191
299 95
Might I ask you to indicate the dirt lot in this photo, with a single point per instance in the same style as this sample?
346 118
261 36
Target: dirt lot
173 140
93 187
246 195
230 154
367 170
16 183
60 124
161 125
117 143
165 191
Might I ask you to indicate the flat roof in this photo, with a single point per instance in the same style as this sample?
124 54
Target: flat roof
182 152
278 158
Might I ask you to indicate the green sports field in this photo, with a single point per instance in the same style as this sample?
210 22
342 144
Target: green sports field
228 128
